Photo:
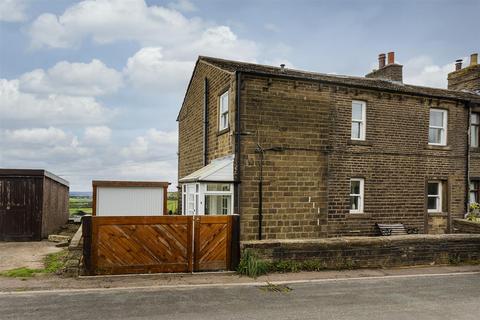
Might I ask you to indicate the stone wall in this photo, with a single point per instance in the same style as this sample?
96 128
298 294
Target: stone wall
467 78
305 127
191 121
465 226
389 72
74 256
376 252
395 161
306 188
290 122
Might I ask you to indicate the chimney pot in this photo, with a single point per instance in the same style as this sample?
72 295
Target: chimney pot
473 59
391 57
381 60
282 67
458 64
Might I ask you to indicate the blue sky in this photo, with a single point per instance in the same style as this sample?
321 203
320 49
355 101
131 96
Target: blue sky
91 89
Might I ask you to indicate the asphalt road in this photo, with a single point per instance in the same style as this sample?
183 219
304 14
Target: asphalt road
419 297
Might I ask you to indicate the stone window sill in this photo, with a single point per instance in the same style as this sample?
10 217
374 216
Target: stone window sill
359 216
435 147
221 132
438 214
359 143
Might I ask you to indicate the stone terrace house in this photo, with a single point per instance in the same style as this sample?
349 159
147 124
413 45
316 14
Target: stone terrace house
310 155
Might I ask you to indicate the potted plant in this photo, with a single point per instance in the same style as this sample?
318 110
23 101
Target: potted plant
473 212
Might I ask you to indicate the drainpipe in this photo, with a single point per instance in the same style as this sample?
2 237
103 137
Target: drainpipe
467 202
205 122
238 135
260 192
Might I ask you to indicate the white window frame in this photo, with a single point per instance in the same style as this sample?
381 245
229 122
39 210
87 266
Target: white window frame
362 122
475 125
206 193
443 128
223 112
199 195
439 197
190 189
359 195
184 199
474 191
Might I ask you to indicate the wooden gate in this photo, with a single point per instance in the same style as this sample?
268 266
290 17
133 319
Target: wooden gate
160 244
212 239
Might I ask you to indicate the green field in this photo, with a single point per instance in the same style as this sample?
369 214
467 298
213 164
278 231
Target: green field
172 205
172 202
79 204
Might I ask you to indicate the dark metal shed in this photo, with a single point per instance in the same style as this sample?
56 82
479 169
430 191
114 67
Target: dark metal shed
33 204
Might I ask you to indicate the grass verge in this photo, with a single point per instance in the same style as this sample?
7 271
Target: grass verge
252 266
53 263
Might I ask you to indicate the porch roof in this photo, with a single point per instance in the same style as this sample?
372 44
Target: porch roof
220 170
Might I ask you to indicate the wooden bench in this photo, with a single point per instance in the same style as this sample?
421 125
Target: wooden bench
394 229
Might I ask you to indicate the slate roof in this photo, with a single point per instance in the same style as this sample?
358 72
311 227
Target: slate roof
361 82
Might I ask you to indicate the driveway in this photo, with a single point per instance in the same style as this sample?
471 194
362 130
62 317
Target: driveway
441 296
25 254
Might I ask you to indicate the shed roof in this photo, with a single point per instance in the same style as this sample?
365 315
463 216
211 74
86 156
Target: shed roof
219 170
378 84
124 183
32 173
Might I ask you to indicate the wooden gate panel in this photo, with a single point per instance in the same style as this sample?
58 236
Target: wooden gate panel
159 244
141 244
212 243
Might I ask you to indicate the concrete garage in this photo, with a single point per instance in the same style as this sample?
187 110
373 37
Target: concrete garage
33 204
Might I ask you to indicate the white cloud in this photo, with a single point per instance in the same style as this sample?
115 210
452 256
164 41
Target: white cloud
31 109
48 136
183 5
148 69
97 135
12 11
151 156
154 145
38 145
84 79
423 71
155 170
215 41
107 21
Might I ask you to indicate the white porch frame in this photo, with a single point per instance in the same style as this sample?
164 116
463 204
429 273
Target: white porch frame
195 195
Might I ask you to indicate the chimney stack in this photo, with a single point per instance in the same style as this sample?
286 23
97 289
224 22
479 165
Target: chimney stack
391 57
473 59
467 78
282 67
381 60
390 71
458 64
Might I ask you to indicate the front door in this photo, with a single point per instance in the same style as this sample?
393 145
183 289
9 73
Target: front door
192 199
